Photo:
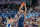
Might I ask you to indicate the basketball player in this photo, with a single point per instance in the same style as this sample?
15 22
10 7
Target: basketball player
11 21
23 14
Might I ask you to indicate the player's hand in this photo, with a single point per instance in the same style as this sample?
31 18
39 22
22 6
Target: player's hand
25 5
21 6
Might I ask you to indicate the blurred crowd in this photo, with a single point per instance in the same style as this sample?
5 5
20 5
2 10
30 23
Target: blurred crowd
32 15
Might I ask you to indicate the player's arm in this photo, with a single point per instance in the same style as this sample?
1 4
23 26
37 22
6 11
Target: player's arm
16 19
20 9
25 10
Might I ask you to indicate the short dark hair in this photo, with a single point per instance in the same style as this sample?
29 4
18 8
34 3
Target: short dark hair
9 18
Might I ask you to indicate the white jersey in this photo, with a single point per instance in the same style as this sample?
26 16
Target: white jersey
8 25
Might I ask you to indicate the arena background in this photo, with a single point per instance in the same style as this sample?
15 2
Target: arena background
11 7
